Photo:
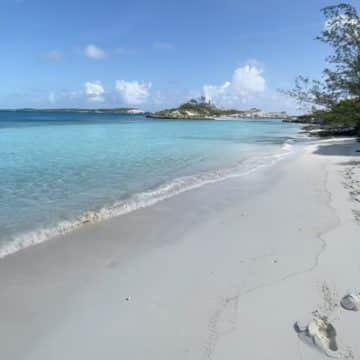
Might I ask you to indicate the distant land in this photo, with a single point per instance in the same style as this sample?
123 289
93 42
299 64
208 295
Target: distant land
203 110
192 110
132 111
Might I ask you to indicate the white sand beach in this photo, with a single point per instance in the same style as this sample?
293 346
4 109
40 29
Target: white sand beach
220 272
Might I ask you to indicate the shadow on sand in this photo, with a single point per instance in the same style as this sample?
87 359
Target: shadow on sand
349 148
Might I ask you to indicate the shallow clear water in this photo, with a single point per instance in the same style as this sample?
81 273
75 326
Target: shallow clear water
59 170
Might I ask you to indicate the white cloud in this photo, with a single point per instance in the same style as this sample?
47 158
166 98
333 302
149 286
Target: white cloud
247 89
76 98
94 52
214 92
52 97
94 91
162 45
54 55
133 92
246 81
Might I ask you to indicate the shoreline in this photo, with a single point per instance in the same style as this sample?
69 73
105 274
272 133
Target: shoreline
208 274
144 199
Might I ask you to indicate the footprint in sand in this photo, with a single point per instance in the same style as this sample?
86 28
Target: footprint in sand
320 334
351 302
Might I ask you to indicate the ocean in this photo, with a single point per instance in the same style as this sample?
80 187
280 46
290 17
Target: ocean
59 171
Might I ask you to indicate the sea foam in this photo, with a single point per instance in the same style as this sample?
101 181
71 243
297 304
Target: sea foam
144 199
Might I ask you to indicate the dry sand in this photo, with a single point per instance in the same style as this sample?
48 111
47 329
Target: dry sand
220 272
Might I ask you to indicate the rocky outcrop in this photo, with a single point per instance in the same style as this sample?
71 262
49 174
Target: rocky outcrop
203 110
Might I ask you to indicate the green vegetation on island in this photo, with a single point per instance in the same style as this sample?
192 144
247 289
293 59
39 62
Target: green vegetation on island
204 110
335 98
193 109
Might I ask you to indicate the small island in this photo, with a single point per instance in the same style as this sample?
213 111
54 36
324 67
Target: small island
204 110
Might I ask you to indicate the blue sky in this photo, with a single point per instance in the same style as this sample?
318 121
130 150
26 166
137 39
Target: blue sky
154 54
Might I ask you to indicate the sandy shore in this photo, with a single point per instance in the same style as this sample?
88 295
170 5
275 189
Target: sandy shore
220 272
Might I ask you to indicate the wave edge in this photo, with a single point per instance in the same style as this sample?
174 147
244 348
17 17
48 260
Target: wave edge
142 200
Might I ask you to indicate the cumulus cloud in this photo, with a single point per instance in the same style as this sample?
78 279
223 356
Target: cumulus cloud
94 52
246 81
54 55
133 92
215 92
94 91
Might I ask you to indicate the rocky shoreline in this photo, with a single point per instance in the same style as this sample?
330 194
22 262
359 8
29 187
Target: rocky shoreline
205 110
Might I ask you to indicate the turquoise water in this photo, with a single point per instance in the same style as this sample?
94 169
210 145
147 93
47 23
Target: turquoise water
60 170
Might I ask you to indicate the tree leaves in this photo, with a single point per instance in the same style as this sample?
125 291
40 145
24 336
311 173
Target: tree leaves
336 96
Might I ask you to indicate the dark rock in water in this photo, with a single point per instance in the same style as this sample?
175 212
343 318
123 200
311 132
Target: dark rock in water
334 132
